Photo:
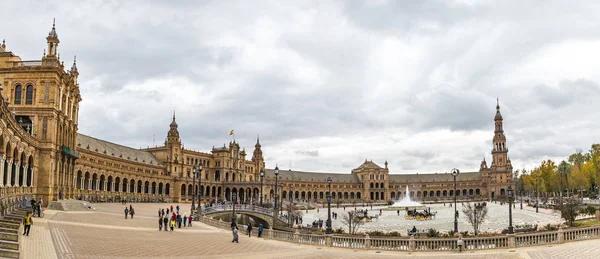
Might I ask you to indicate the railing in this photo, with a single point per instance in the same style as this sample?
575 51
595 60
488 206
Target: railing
248 208
31 63
390 244
425 244
483 243
348 242
536 239
580 234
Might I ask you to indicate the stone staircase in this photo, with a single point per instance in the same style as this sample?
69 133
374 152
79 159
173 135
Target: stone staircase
9 234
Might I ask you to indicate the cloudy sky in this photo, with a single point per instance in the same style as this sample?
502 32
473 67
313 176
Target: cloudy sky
328 84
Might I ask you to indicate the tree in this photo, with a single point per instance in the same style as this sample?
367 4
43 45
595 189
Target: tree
569 209
352 222
475 214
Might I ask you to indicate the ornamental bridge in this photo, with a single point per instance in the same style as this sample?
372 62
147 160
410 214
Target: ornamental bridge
258 214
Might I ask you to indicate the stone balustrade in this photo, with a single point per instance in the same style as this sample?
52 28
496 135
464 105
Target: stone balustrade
425 244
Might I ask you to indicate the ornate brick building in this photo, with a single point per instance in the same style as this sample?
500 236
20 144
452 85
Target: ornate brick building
40 136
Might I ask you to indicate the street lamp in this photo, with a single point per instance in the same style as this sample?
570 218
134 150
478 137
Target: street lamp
262 175
455 172
536 195
199 187
291 207
521 192
275 210
510 200
193 189
328 230
233 199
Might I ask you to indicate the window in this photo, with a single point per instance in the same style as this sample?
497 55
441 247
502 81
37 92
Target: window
18 90
29 94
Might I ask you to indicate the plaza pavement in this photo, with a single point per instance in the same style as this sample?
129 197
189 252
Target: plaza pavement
105 233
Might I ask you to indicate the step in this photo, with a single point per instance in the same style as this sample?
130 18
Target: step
9 230
9 245
11 219
4 253
11 225
9 237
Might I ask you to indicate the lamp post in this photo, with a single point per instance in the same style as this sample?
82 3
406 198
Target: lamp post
193 189
199 188
455 172
233 199
536 195
521 193
262 175
329 230
291 206
275 203
510 201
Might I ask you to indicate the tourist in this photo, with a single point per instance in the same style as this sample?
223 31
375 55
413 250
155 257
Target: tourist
398 211
171 208
233 225
190 221
160 223
131 211
163 212
177 208
167 211
380 212
178 220
235 235
126 212
459 242
184 220
172 225
165 223
27 221
260 230
130 207
249 229
159 215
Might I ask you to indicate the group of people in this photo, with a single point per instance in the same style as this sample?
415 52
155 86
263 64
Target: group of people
174 220
235 231
129 211
36 206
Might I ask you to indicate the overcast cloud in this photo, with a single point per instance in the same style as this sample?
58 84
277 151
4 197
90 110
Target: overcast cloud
328 84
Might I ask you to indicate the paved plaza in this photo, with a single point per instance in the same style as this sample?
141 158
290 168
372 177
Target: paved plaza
444 221
105 233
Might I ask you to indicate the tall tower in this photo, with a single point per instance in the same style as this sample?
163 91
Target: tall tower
53 41
175 152
499 150
257 157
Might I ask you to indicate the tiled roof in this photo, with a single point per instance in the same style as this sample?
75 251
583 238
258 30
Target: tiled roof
99 146
443 177
369 165
287 175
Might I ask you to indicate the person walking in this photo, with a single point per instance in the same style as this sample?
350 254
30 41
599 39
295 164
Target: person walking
235 235
27 221
249 229
260 230
166 223
131 211
459 243
177 208
172 225
159 215
178 220
233 225
126 212
190 221
184 220
160 224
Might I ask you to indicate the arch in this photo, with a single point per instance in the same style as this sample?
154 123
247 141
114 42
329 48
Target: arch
321 195
502 192
183 191
372 196
226 176
118 184
438 193
86 181
139 186
21 169
393 195
29 94
94 182
371 185
418 194
153 187
477 192
78 180
109 184
167 189
358 195
207 192
285 194
102 180
190 191
451 193
464 192
132 186
445 193
147 187
18 94
160 188
471 192
217 176
352 195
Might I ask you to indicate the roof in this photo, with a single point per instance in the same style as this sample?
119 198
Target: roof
369 165
444 177
100 146
311 176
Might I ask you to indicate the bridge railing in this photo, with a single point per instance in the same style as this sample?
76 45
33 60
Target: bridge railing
510 241
242 207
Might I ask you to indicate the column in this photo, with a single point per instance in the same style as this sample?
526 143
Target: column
90 183
2 170
112 186
18 170
9 177
98 184
74 182
106 185
164 189
82 183
25 175
31 178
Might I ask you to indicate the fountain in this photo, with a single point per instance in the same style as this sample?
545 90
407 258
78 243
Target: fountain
406 203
